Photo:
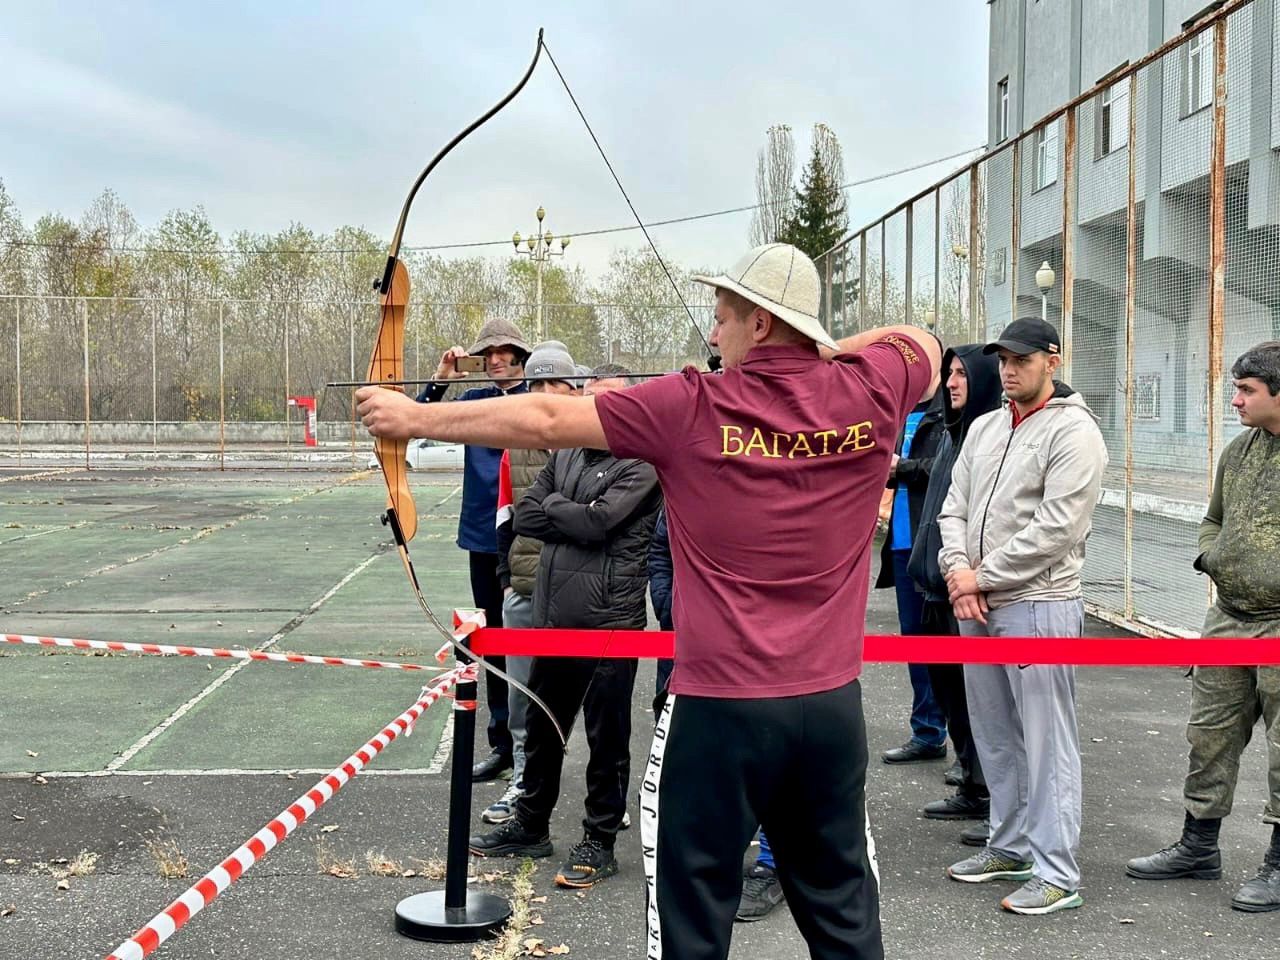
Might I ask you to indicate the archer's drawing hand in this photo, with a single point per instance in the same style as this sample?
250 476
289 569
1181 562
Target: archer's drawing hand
388 413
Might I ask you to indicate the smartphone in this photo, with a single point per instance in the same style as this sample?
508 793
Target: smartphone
468 364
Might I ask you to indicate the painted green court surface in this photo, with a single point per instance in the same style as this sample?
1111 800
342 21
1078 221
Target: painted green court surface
284 560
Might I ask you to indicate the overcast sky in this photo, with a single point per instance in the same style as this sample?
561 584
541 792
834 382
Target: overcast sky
323 113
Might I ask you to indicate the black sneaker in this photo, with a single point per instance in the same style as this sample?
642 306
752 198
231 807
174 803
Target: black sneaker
590 861
957 807
761 892
511 839
491 767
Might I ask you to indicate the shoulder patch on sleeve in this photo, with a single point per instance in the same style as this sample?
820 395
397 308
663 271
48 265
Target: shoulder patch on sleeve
904 347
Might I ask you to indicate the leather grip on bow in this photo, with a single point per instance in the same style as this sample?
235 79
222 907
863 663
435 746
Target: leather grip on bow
386 363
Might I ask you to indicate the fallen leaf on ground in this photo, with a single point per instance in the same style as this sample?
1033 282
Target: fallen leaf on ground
1127 920
19 817
62 885
32 753
8 911
560 950
41 780
329 828
537 899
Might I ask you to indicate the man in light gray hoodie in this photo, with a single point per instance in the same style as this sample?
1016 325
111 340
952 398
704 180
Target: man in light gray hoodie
1013 529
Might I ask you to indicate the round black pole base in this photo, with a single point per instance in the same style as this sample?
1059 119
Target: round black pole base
425 917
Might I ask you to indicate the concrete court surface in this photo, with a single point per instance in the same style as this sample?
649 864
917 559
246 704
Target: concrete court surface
78 710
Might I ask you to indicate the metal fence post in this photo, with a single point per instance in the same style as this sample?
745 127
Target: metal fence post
222 393
1068 242
1217 243
84 317
154 378
1130 305
17 345
976 256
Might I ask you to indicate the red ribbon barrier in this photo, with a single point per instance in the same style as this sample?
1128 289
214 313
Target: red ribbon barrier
877 648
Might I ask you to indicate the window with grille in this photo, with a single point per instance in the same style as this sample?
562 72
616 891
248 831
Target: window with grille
1146 397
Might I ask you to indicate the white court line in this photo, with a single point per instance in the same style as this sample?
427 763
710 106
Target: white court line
226 675
443 747
45 533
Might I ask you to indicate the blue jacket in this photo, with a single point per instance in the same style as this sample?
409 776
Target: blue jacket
660 571
478 518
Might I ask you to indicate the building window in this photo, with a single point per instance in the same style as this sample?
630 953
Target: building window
995 265
1113 119
1197 73
1047 155
1002 110
1146 397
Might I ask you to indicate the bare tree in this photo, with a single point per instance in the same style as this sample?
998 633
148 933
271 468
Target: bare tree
831 156
775 185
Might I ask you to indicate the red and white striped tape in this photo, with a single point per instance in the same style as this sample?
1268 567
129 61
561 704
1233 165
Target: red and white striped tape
166 923
169 649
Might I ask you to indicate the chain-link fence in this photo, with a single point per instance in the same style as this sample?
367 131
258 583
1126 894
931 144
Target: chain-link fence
1154 200
141 373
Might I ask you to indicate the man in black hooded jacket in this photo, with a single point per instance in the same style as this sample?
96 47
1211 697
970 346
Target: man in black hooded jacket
971 388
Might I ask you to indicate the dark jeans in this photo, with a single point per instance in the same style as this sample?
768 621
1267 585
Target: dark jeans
486 593
928 725
602 690
947 682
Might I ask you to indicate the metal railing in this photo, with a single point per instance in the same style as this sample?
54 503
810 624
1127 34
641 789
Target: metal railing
1154 198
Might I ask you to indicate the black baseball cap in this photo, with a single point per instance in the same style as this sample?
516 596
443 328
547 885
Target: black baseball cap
1027 336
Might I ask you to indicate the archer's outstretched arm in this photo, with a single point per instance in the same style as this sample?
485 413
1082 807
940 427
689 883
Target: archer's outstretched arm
530 421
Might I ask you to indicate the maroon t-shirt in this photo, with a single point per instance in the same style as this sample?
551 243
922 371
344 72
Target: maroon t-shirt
772 473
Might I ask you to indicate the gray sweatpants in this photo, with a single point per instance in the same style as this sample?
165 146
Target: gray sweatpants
1024 726
517 611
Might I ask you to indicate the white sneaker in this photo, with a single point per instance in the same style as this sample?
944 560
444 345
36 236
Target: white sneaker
503 809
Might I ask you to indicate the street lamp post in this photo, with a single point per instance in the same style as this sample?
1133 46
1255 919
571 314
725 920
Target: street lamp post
540 251
1044 280
961 253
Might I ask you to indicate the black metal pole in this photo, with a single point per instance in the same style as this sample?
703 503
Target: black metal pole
464 751
456 915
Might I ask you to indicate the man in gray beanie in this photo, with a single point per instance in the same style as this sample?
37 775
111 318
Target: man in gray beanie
504 349
549 369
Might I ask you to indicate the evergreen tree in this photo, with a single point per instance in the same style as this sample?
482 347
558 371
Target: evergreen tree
819 218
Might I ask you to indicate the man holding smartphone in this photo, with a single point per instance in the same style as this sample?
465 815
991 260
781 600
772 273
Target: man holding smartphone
502 350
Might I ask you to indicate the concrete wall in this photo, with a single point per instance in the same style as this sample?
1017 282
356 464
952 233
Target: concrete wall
141 434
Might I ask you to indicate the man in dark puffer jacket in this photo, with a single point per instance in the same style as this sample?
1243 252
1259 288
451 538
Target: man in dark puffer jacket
594 515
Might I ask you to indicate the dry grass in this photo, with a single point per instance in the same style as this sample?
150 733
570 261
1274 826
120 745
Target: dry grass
171 863
332 865
81 865
510 943
380 865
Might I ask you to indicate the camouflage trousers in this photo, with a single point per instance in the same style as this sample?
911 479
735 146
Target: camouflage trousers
1226 704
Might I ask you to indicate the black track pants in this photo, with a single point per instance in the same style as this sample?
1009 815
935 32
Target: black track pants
795 765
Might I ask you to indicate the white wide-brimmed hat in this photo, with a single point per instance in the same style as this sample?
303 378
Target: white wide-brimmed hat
784 281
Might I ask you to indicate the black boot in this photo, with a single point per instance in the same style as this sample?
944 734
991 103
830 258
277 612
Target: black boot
1195 855
1262 893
